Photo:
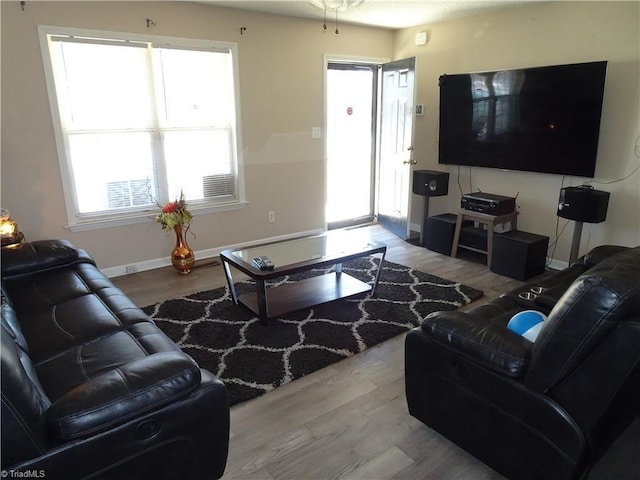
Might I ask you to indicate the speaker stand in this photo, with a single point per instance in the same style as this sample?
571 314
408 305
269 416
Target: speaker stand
575 242
425 215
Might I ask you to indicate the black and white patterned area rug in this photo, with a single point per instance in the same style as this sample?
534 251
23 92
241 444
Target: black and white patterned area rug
252 359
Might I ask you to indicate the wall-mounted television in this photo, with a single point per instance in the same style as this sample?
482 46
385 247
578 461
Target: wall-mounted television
539 119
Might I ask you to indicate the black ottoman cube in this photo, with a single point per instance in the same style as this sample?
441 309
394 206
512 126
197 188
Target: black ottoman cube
519 255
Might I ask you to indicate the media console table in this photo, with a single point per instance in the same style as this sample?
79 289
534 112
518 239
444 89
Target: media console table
490 220
299 255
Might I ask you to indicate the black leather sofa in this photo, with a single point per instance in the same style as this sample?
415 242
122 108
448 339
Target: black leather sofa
91 388
543 410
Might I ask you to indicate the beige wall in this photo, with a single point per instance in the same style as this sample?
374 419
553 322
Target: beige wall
281 79
282 95
541 34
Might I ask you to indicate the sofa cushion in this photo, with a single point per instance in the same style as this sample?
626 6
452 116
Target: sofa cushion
597 302
80 364
40 255
53 330
43 290
121 393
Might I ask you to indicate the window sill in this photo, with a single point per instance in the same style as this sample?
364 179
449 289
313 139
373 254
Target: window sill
95 224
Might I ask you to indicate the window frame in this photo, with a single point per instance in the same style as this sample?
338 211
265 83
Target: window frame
81 222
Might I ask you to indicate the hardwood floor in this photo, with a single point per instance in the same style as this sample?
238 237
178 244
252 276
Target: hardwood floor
350 420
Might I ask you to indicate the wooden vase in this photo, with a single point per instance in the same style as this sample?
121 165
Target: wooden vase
182 256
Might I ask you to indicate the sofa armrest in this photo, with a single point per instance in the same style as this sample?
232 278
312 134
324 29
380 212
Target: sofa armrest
600 253
40 255
491 345
122 393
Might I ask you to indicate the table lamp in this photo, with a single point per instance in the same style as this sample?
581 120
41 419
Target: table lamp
9 234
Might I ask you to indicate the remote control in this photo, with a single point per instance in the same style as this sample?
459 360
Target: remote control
262 263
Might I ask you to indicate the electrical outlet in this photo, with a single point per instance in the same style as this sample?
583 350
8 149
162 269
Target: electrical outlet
130 269
272 216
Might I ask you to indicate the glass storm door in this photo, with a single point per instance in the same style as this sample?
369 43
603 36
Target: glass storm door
351 127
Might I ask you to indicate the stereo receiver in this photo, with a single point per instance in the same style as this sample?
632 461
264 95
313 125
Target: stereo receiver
488 203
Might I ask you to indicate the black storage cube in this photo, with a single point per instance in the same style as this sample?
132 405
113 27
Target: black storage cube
519 255
473 237
440 231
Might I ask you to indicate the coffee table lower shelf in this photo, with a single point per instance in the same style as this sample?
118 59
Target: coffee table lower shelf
290 297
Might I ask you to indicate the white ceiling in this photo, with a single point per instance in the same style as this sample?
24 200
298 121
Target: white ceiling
379 13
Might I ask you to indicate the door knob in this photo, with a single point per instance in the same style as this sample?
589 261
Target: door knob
410 161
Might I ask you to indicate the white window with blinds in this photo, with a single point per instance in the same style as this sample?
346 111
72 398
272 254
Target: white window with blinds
140 119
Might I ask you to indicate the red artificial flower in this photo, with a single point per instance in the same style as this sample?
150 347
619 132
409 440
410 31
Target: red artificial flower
170 207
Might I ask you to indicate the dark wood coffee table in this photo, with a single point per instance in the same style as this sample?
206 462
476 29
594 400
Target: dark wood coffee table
299 255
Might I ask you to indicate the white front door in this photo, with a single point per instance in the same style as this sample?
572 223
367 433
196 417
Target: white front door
396 145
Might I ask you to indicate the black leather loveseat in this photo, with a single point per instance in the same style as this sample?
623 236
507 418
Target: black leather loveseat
543 410
91 388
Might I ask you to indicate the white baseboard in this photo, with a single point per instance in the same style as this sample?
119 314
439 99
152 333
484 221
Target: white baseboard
152 264
557 264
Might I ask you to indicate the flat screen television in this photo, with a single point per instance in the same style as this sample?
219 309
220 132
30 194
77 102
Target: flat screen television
540 119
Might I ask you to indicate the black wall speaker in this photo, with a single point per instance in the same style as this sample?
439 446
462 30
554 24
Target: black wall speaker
583 204
430 183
